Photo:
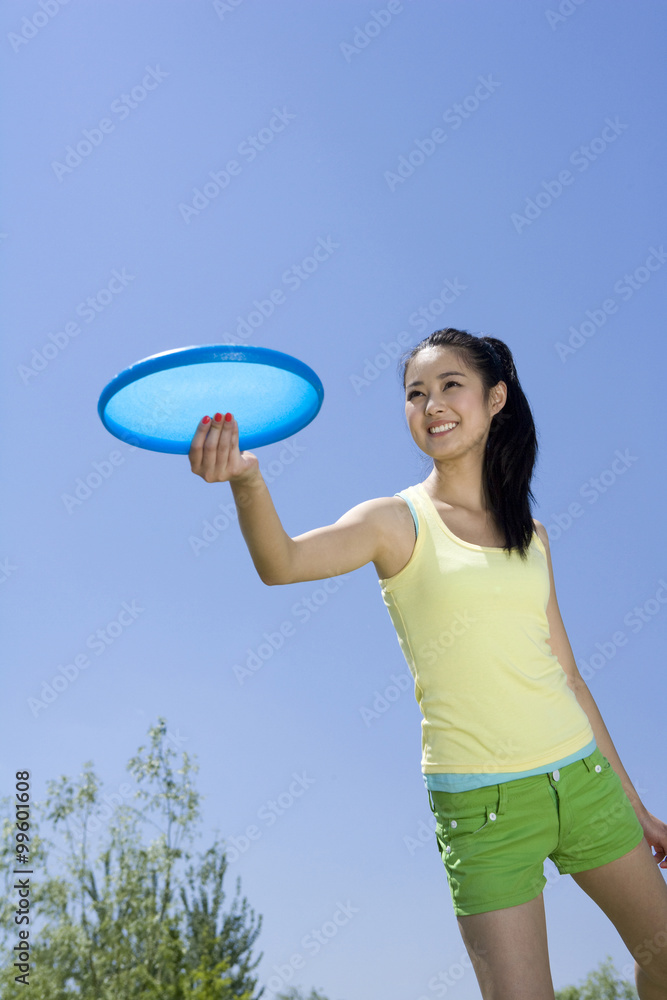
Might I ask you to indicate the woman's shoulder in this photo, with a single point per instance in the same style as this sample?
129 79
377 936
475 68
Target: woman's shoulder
541 532
390 518
383 511
386 507
540 529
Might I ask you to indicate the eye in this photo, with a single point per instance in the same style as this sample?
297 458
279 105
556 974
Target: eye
446 386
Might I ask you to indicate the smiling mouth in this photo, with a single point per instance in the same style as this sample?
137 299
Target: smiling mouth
442 433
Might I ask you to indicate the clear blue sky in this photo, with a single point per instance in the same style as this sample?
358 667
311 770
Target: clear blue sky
336 110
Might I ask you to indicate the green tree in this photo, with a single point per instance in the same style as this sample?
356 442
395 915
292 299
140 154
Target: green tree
601 984
131 923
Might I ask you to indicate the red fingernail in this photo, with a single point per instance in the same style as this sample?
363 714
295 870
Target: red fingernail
228 417
206 420
218 416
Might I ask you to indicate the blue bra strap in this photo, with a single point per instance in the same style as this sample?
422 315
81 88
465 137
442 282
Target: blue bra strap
412 511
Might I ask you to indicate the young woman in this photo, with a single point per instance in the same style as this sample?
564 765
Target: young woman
517 760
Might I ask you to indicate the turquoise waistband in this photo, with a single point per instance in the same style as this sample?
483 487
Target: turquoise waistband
465 782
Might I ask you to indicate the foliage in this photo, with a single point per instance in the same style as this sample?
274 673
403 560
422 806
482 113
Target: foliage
601 984
141 920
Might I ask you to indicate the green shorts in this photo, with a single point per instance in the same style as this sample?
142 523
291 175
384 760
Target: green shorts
494 840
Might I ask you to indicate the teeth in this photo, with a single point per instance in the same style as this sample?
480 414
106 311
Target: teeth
441 427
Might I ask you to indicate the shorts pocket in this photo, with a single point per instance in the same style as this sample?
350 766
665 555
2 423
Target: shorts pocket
599 761
464 814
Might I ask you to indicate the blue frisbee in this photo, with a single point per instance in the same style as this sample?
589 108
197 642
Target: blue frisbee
157 402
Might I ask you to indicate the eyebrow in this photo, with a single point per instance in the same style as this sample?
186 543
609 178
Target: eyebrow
441 375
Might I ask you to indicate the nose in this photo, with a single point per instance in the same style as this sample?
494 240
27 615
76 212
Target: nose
433 406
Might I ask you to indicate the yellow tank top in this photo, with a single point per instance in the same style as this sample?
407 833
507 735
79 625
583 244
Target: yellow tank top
471 622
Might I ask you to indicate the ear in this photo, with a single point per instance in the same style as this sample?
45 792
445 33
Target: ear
499 396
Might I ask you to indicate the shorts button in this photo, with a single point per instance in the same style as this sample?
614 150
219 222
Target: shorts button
492 815
598 768
556 775
453 823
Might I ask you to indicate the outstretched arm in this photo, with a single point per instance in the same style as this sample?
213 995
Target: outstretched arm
356 538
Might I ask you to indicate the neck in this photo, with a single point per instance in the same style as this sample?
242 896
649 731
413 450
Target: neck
459 490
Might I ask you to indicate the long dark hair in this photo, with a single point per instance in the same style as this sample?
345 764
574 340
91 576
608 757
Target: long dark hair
511 447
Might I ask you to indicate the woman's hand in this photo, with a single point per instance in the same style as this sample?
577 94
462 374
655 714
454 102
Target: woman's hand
655 832
214 453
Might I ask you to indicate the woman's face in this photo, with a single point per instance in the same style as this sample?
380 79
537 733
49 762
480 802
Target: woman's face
447 392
